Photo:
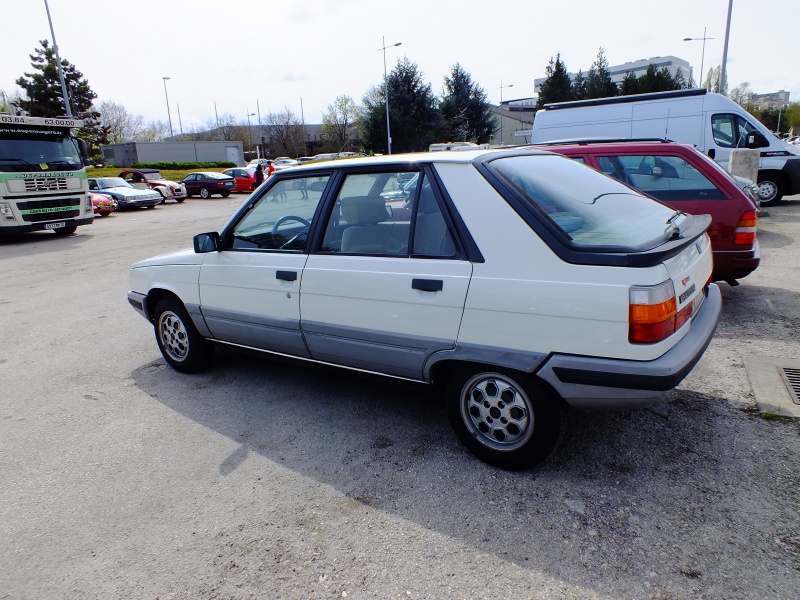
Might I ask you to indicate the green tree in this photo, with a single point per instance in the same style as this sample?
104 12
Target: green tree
466 113
557 87
44 96
580 87
339 124
599 84
630 85
413 114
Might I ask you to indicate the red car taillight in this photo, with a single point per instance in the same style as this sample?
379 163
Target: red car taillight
746 230
651 313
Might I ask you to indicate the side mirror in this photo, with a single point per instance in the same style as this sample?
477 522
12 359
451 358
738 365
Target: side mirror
757 140
657 172
206 242
84 152
712 153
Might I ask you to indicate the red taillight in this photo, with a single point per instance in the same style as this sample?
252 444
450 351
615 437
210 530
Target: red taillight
651 313
745 234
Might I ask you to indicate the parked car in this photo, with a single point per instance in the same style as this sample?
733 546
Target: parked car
245 178
152 179
253 164
206 184
124 193
522 282
103 205
685 178
284 162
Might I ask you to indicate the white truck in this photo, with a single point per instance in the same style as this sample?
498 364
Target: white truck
42 175
713 123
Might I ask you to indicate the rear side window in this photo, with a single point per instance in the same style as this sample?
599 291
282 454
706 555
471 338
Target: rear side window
591 211
667 178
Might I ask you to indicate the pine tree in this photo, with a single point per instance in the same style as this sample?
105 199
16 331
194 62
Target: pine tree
557 87
466 113
580 90
600 84
44 96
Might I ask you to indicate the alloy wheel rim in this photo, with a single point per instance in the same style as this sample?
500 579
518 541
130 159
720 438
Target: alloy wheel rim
497 412
173 335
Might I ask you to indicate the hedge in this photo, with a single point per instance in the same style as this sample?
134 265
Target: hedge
184 165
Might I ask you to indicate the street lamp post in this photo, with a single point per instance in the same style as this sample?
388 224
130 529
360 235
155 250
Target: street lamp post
510 85
249 131
167 98
703 55
67 106
386 91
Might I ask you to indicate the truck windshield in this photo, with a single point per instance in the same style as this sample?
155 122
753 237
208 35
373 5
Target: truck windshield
31 150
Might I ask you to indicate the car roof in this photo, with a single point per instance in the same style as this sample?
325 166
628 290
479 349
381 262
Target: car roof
141 171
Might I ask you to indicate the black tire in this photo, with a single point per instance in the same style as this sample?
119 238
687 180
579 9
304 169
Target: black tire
770 189
179 200
66 230
506 418
188 195
149 206
204 193
225 194
181 345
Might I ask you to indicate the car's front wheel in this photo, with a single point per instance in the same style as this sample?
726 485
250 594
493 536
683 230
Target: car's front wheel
204 193
180 343
505 418
225 194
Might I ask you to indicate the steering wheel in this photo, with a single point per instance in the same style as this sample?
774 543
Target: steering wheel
287 218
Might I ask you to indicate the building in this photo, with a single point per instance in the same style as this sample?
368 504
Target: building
673 64
773 100
124 155
513 121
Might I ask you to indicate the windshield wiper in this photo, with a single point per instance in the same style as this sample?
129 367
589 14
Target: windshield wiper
19 160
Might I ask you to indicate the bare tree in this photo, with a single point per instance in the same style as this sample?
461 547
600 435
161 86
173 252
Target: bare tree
9 102
285 132
339 124
122 126
153 131
742 94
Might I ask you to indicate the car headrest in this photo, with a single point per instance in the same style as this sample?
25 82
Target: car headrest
364 210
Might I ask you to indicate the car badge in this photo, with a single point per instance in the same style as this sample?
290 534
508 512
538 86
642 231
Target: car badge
684 281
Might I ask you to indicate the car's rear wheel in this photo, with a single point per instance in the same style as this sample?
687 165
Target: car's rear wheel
204 193
505 418
149 206
180 343
225 194
179 200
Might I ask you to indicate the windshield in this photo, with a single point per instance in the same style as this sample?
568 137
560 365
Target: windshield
32 150
590 209
107 182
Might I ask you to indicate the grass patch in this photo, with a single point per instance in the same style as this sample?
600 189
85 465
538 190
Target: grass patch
171 174
768 416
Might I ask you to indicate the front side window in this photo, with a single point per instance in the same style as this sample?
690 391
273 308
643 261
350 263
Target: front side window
280 218
667 178
731 131
589 210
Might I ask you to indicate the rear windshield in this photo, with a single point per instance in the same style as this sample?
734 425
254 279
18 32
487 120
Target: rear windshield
590 210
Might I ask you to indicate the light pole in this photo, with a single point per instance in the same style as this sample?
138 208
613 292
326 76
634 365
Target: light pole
386 91
703 55
501 106
67 106
249 134
723 73
167 98
780 108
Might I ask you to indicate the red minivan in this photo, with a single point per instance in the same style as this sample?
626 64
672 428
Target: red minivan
686 179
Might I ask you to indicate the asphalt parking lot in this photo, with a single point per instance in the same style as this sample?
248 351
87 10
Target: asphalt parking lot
122 478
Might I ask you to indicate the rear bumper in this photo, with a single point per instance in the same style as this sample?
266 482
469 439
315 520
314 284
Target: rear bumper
587 382
735 264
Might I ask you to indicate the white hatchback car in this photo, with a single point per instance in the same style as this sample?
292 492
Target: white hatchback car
519 280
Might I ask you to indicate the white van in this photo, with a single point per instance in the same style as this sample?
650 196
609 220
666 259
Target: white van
711 122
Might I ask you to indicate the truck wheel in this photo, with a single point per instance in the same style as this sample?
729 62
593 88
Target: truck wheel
66 230
505 418
770 190
180 343
204 193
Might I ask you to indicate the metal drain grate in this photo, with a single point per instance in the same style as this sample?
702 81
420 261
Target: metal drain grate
791 377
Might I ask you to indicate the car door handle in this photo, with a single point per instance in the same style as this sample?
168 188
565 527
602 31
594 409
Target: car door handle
427 285
286 275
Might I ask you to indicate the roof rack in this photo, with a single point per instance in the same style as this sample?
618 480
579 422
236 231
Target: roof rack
626 99
587 141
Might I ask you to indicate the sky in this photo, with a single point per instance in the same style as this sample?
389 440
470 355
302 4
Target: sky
260 56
